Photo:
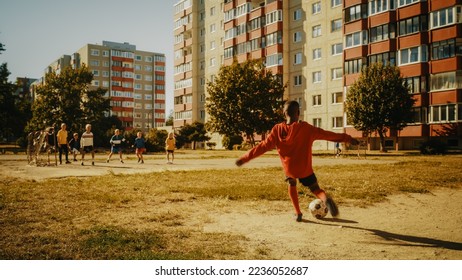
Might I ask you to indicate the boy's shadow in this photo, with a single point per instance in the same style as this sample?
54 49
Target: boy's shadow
394 237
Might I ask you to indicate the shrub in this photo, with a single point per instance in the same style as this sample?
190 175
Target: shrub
433 147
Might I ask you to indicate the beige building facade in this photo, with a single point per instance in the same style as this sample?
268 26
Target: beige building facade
299 40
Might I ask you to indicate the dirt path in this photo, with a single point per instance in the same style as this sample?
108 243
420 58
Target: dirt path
407 226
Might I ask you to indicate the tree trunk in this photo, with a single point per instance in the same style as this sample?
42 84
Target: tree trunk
382 141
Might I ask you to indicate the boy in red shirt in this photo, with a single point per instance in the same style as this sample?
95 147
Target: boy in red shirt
293 140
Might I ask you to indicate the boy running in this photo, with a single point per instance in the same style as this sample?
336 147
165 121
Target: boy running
116 145
140 146
293 140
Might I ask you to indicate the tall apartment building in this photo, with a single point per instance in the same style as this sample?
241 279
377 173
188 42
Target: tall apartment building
319 48
299 40
134 80
424 39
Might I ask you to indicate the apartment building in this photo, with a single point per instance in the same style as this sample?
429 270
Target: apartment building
301 41
319 48
424 39
134 80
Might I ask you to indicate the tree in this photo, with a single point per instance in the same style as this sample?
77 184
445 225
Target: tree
379 100
66 97
169 121
244 99
192 133
8 110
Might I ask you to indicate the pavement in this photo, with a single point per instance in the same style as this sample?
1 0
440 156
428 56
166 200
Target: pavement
16 166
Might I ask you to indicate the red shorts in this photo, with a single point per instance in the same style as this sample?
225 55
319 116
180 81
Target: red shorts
140 150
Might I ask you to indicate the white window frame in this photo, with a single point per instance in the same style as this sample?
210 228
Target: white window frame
316 8
317 54
334 49
316 31
412 55
317 77
298 58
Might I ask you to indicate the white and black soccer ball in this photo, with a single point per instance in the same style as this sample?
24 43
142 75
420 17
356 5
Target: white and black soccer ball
318 208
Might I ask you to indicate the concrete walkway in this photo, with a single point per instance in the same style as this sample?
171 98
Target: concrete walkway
15 166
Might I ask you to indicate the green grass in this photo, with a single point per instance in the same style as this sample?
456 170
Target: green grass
161 215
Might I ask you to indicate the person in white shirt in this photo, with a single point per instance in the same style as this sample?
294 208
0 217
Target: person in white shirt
86 143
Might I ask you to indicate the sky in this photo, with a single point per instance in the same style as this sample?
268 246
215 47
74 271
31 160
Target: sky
37 32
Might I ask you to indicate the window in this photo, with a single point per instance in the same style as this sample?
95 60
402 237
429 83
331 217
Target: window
94 52
317 77
94 62
317 122
316 8
337 97
413 55
446 16
316 31
298 58
446 81
337 122
297 37
356 39
317 54
378 6
213 28
297 14
413 25
335 3
406 2
337 49
273 17
106 53
354 66
382 32
355 12
446 49
336 73
212 11
212 61
297 80
275 59
148 58
387 58
416 84
212 45
317 100
444 113
336 25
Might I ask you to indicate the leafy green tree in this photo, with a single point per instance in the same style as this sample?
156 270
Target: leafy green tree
379 100
9 120
155 140
244 99
169 121
193 133
66 97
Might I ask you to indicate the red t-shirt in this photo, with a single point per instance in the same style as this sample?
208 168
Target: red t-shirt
294 145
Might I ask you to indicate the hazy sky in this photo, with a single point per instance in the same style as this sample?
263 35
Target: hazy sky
37 32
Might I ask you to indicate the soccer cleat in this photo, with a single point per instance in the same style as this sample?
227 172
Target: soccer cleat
299 217
333 209
92 163
82 163
139 160
121 161
107 161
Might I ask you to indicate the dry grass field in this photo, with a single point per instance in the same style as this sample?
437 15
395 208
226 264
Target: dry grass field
237 213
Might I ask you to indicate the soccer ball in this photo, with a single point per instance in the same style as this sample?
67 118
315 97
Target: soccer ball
318 209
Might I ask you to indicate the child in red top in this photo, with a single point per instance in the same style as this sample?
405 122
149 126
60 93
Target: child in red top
293 140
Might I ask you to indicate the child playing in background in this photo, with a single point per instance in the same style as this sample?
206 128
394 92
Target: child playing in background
74 144
140 146
170 147
116 142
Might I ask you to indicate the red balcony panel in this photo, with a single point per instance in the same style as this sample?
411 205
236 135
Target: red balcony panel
356 52
454 31
274 27
382 18
382 46
443 97
438 5
413 40
416 69
351 78
446 65
413 10
355 26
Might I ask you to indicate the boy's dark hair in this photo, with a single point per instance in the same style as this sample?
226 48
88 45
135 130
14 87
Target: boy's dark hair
291 107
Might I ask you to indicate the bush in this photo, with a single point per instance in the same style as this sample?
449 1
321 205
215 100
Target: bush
433 147
229 141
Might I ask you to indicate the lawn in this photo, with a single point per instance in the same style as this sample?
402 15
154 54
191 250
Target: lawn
159 215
